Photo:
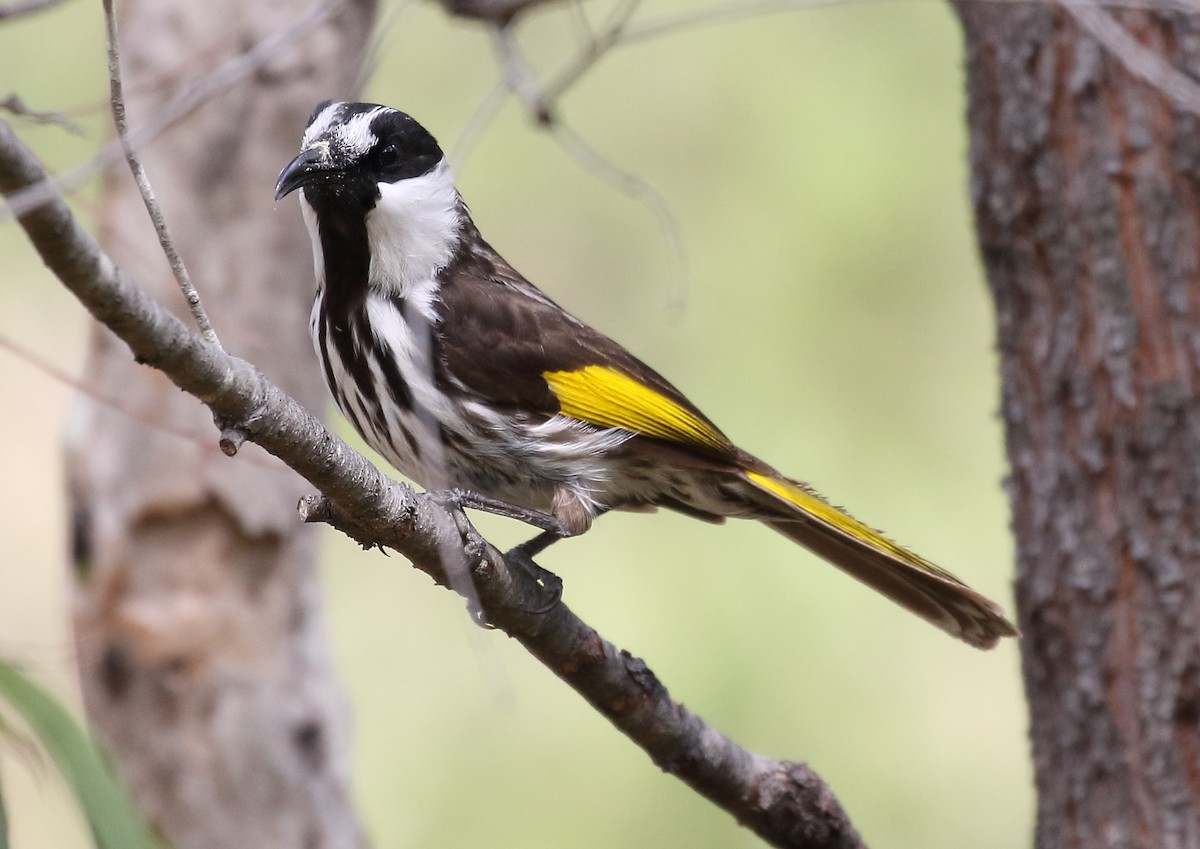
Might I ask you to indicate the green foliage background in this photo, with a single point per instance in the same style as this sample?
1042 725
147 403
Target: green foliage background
836 323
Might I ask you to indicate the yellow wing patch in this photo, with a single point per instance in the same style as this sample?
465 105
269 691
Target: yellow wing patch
813 505
604 396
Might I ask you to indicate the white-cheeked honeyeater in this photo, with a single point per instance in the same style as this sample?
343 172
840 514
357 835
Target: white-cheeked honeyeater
464 375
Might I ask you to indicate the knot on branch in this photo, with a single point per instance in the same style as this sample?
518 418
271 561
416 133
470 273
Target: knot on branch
792 800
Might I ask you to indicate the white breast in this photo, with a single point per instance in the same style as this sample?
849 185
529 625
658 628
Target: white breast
413 232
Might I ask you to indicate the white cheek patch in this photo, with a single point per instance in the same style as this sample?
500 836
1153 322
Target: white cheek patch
413 232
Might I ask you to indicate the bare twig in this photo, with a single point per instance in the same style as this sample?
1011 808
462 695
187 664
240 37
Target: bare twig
607 37
117 100
516 74
1139 60
14 105
25 7
539 99
633 186
519 79
481 118
542 99
224 77
724 12
37 361
583 23
742 9
785 803
374 50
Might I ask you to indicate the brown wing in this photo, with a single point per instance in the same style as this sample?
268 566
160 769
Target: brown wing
505 340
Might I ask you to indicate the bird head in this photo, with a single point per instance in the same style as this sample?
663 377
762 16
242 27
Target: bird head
351 149
375 185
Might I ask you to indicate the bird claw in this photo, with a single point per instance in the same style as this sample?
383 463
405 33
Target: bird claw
544 578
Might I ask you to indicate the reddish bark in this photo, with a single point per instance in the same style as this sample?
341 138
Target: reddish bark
1088 213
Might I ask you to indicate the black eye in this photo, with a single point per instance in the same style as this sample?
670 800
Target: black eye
389 156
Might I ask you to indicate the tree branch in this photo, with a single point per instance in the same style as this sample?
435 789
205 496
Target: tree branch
785 803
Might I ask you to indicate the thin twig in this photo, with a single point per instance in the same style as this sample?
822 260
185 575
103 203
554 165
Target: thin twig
14 105
540 99
224 77
608 36
1139 60
741 9
520 80
618 31
635 187
587 33
117 99
46 367
516 74
25 7
481 118
373 53
725 12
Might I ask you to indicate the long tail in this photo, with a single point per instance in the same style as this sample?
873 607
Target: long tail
907 579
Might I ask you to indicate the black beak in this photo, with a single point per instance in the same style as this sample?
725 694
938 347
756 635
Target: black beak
304 169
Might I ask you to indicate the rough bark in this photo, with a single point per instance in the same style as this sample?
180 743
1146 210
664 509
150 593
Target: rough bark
1085 186
200 644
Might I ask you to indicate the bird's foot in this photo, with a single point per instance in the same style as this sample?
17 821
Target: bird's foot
522 556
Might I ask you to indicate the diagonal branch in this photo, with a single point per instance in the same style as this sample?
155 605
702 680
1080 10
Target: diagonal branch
785 803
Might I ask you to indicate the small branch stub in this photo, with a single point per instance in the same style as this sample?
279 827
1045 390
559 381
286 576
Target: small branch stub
231 440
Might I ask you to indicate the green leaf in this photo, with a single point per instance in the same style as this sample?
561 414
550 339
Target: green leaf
3 821
102 798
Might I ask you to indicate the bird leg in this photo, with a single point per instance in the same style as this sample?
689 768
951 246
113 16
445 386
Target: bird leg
522 555
552 530
460 498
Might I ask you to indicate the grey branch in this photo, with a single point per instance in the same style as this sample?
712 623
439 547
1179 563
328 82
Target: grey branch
785 803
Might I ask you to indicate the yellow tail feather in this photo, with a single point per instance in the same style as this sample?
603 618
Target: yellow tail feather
907 578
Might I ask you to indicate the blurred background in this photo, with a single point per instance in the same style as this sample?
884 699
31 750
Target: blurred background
833 320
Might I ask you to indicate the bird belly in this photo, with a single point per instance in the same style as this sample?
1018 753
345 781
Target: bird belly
439 436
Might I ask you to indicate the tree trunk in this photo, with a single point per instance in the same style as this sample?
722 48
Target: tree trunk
1088 213
200 640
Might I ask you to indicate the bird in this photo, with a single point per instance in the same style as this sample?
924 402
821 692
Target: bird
471 381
